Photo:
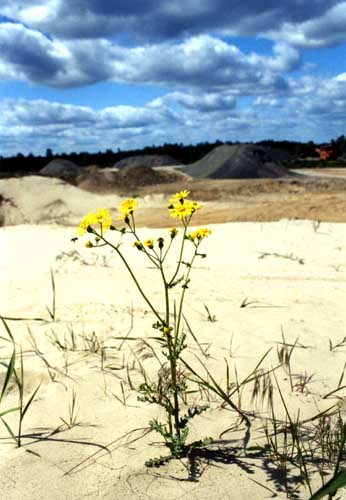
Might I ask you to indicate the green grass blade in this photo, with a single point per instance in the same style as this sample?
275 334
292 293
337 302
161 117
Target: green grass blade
9 430
30 401
336 482
8 376
9 411
10 368
7 328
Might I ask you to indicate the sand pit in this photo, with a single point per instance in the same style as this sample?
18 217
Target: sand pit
258 280
40 200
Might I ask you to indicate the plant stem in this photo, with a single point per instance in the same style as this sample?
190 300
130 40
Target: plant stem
173 367
134 279
180 310
180 257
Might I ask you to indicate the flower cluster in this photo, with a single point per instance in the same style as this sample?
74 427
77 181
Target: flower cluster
173 395
101 217
199 234
127 208
181 207
149 243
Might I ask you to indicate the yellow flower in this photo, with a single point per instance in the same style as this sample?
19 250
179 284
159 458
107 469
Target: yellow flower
88 220
138 245
179 197
104 218
199 234
183 210
166 330
88 244
127 207
173 232
149 243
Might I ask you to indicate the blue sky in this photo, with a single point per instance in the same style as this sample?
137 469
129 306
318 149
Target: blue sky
89 75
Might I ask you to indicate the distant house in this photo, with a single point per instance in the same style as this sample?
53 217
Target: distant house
328 151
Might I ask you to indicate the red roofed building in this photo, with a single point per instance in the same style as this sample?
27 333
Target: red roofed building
328 152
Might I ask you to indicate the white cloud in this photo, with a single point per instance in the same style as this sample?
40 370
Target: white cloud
168 19
198 62
29 55
42 113
203 103
320 31
37 125
213 89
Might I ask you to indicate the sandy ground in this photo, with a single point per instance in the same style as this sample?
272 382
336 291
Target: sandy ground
259 280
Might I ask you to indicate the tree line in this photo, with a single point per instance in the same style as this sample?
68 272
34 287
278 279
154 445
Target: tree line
185 154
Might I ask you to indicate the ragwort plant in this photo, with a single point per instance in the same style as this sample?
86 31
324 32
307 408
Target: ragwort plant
169 392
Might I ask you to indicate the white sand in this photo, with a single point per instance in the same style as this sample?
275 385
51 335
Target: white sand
45 200
305 299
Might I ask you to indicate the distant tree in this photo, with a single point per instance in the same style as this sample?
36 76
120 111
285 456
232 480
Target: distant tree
49 153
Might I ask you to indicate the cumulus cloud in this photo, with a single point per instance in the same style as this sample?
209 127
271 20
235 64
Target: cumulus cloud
312 102
213 88
316 113
40 113
323 31
199 62
35 125
167 19
203 103
30 55
27 54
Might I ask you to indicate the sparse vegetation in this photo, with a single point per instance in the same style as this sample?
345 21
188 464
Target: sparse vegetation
172 369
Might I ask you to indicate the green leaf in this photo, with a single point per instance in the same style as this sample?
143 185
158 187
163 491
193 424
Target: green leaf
9 411
30 401
336 482
9 373
11 433
7 329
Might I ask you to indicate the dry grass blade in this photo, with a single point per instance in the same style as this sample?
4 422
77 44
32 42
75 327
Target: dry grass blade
203 351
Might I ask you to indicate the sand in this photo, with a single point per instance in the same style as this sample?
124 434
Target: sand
289 274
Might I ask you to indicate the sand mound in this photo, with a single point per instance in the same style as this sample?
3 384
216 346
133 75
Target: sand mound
140 175
132 176
39 200
99 180
146 161
63 169
243 161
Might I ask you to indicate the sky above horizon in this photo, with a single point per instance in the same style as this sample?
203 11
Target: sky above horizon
91 75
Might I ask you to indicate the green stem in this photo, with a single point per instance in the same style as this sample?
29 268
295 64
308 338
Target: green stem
153 258
167 250
173 367
134 279
180 310
180 256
